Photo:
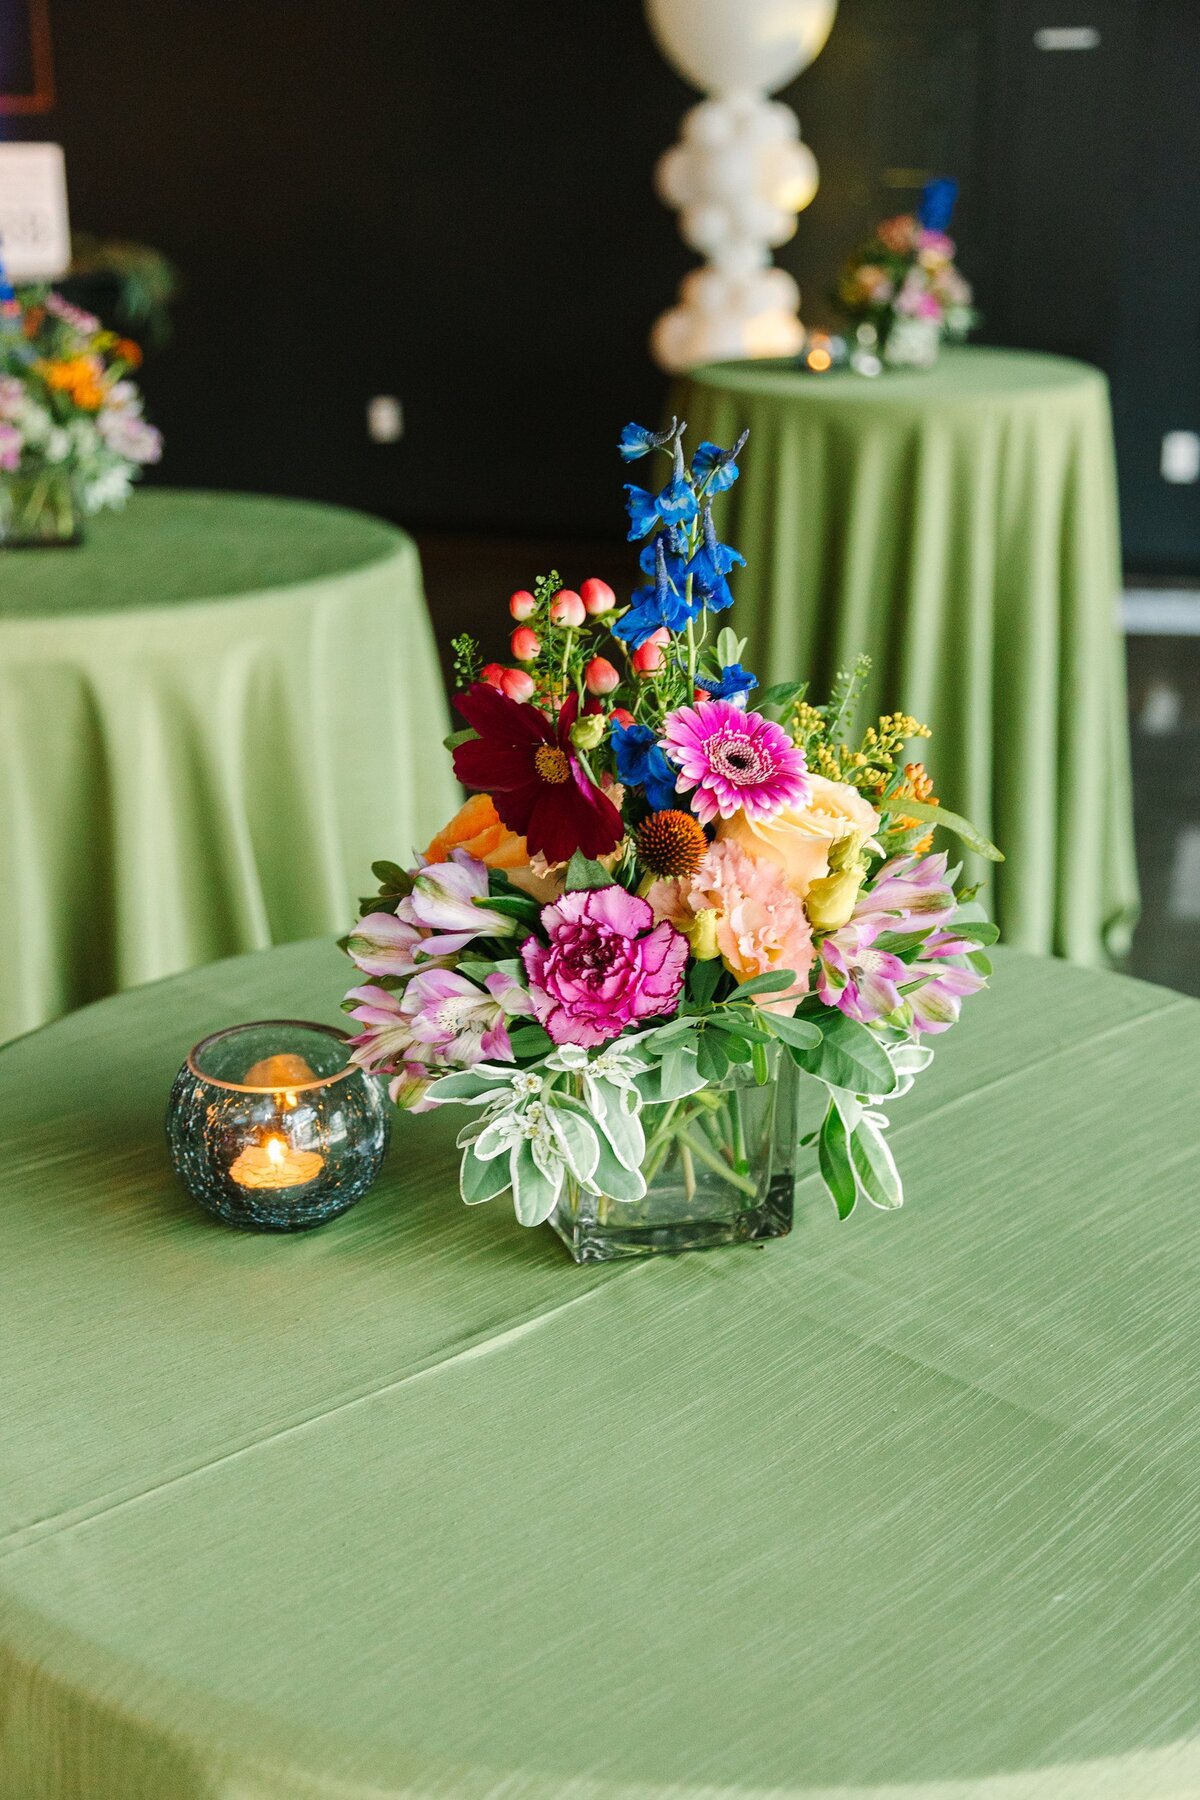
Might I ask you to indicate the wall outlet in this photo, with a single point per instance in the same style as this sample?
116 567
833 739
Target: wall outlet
385 419
1180 460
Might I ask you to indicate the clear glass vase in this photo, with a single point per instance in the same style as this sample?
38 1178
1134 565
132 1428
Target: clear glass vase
39 510
720 1168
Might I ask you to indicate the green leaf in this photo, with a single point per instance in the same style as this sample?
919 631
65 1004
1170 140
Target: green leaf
941 815
848 1056
875 1167
899 943
480 1181
392 879
712 1058
781 698
529 1039
983 933
801 1033
613 1179
477 970
980 961
729 647
773 982
833 1156
459 737
703 979
535 1194
514 906
741 1022
582 872
738 1049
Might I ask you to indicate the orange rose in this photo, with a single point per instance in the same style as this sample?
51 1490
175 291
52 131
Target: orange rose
799 838
478 828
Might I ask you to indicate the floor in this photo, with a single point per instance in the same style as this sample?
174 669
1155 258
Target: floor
469 579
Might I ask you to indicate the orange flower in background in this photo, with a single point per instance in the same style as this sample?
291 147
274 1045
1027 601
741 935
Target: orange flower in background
33 321
77 376
126 351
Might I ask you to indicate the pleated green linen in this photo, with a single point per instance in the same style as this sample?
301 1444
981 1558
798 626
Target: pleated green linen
213 716
960 526
902 1509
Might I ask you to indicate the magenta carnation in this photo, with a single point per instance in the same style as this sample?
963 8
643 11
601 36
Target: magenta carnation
607 965
736 761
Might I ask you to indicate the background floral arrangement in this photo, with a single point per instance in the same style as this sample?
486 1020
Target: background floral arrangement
656 880
67 405
903 286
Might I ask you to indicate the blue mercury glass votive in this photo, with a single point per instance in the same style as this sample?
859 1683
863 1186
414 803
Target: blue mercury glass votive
271 1127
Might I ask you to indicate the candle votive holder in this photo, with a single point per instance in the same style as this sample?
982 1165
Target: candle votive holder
271 1127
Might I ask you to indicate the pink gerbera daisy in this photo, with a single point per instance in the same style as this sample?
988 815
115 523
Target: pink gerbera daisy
736 761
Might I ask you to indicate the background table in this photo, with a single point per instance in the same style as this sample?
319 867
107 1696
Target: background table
213 717
961 527
411 1506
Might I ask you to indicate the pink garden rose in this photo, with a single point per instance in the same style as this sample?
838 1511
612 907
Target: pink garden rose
760 925
607 965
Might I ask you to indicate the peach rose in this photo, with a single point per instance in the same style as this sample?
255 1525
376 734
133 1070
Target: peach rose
798 838
742 910
478 828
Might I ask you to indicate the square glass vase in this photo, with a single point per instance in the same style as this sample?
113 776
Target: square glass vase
720 1168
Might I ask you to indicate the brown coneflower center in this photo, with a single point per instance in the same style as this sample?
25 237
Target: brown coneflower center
552 765
671 843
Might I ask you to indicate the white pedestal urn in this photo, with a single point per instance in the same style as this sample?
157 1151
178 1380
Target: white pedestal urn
739 175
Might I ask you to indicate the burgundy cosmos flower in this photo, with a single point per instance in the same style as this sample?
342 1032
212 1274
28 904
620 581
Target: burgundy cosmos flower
526 762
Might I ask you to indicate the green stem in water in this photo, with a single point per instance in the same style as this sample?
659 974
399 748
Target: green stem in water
711 1160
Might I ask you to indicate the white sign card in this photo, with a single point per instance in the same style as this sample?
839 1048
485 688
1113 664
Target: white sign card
35 236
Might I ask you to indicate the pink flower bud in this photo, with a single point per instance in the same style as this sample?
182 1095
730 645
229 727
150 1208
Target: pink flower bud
526 644
522 605
597 596
599 676
492 673
620 715
661 636
648 658
566 609
518 684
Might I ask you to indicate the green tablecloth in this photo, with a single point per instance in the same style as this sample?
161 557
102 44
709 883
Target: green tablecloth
213 717
961 527
898 1510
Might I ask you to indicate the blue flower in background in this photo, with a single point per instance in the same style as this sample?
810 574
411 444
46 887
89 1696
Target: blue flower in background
716 466
937 203
734 685
637 441
673 505
640 763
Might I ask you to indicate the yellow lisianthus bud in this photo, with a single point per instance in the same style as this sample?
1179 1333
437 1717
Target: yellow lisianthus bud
587 732
846 852
831 900
702 934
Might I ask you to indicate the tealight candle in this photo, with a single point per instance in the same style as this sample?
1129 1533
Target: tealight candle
274 1164
272 1126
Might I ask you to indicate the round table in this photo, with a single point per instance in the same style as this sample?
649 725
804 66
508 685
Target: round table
960 526
213 717
902 1509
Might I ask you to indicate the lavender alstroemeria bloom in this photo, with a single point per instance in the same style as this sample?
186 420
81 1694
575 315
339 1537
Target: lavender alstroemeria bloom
387 1039
909 893
443 901
860 981
459 1024
382 944
936 1004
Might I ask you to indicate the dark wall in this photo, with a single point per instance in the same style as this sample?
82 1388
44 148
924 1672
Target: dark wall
454 204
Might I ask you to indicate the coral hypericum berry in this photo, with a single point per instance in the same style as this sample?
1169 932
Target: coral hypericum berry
671 843
599 676
518 684
522 605
597 596
566 609
526 644
647 659
492 673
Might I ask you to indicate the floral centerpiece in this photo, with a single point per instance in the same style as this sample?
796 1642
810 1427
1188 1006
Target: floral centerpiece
72 435
672 903
903 289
